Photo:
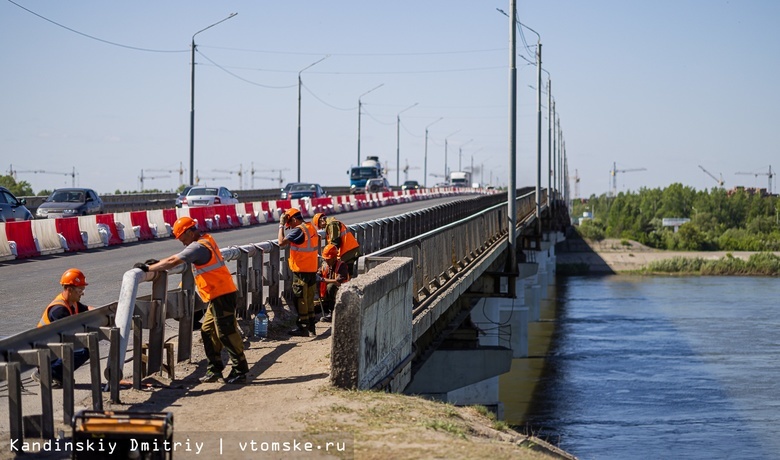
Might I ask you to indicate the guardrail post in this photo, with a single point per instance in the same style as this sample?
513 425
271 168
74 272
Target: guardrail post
186 323
64 351
286 274
40 357
90 340
13 376
114 366
242 269
138 340
157 323
255 282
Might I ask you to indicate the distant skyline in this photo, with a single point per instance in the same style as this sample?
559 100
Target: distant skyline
665 86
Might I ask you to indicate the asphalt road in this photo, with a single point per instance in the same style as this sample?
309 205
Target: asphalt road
28 285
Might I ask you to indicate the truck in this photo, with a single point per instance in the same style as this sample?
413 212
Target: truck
460 179
370 168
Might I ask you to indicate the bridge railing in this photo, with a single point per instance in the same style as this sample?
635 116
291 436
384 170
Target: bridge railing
259 272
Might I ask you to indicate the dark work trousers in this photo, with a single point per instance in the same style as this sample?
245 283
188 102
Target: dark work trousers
219 329
80 357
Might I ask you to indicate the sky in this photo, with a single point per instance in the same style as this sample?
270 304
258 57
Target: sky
654 89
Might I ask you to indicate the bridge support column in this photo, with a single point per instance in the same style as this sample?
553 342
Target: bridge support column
527 279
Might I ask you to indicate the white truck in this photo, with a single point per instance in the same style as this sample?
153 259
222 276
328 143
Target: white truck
460 179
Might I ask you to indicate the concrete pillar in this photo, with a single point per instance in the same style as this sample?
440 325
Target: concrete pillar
514 321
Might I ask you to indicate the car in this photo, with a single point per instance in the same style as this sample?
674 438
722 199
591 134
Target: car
411 185
377 185
208 196
70 202
297 190
12 208
182 195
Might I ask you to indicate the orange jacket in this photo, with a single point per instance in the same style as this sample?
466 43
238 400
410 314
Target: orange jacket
303 257
58 301
347 239
213 278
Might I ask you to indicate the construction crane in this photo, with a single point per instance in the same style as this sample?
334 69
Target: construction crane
198 177
719 181
405 170
769 174
12 172
279 179
142 178
240 173
180 171
614 172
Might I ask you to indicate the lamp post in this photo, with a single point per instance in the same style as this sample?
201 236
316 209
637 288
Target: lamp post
460 153
446 173
398 144
425 164
360 109
192 100
299 112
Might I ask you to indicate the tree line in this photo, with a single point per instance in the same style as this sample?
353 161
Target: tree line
720 220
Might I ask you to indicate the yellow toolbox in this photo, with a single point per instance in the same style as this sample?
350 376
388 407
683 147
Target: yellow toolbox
122 435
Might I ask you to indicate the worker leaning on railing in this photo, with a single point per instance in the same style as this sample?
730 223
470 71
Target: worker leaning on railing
67 303
216 287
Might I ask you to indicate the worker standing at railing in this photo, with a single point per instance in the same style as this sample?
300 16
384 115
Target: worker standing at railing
304 248
67 303
216 287
337 234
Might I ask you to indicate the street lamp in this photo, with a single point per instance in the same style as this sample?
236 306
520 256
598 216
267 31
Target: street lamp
192 101
460 153
425 164
446 175
299 112
360 108
398 144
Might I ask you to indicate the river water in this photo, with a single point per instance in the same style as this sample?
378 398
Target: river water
663 367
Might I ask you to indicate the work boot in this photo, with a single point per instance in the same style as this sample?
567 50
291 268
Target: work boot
312 324
236 377
55 382
300 331
211 376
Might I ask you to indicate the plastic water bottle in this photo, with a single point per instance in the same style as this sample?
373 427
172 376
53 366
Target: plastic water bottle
261 324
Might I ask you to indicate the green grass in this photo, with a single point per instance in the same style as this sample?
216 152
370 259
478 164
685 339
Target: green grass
760 264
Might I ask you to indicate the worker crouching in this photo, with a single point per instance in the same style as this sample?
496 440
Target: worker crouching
333 273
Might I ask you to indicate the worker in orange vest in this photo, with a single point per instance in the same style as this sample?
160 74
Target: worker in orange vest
215 287
304 245
337 234
333 273
67 303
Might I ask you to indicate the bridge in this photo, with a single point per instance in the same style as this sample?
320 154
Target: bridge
407 323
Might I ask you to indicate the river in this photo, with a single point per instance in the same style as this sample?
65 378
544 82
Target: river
662 367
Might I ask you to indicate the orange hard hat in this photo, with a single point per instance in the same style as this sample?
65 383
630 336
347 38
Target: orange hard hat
317 218
330 252
290 213
73 277
182 224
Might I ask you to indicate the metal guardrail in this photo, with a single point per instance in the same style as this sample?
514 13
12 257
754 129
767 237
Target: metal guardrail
259 272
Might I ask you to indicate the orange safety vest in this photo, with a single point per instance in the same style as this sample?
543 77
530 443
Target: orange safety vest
303 257
348 241
58 301
326 273
213 278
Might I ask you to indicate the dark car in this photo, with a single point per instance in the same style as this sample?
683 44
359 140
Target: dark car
11 208
410 185
70 202
182 195
297 190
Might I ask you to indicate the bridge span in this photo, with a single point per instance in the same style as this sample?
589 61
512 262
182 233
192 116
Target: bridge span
407 323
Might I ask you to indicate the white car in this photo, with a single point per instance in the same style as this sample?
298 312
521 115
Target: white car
208 196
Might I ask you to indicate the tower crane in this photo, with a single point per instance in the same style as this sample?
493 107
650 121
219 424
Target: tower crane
198 177
769 174
142 178
405 170
240 174
180 171
12 172
719 181
279 179
614 172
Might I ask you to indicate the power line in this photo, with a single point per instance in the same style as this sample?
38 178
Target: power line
96 38
240 77
361 54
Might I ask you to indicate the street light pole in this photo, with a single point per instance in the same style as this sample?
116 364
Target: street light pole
446 173
425 164
360 109
299 113
460 153
398 144
192 100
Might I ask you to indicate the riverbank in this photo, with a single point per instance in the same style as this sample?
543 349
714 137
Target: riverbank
579 256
